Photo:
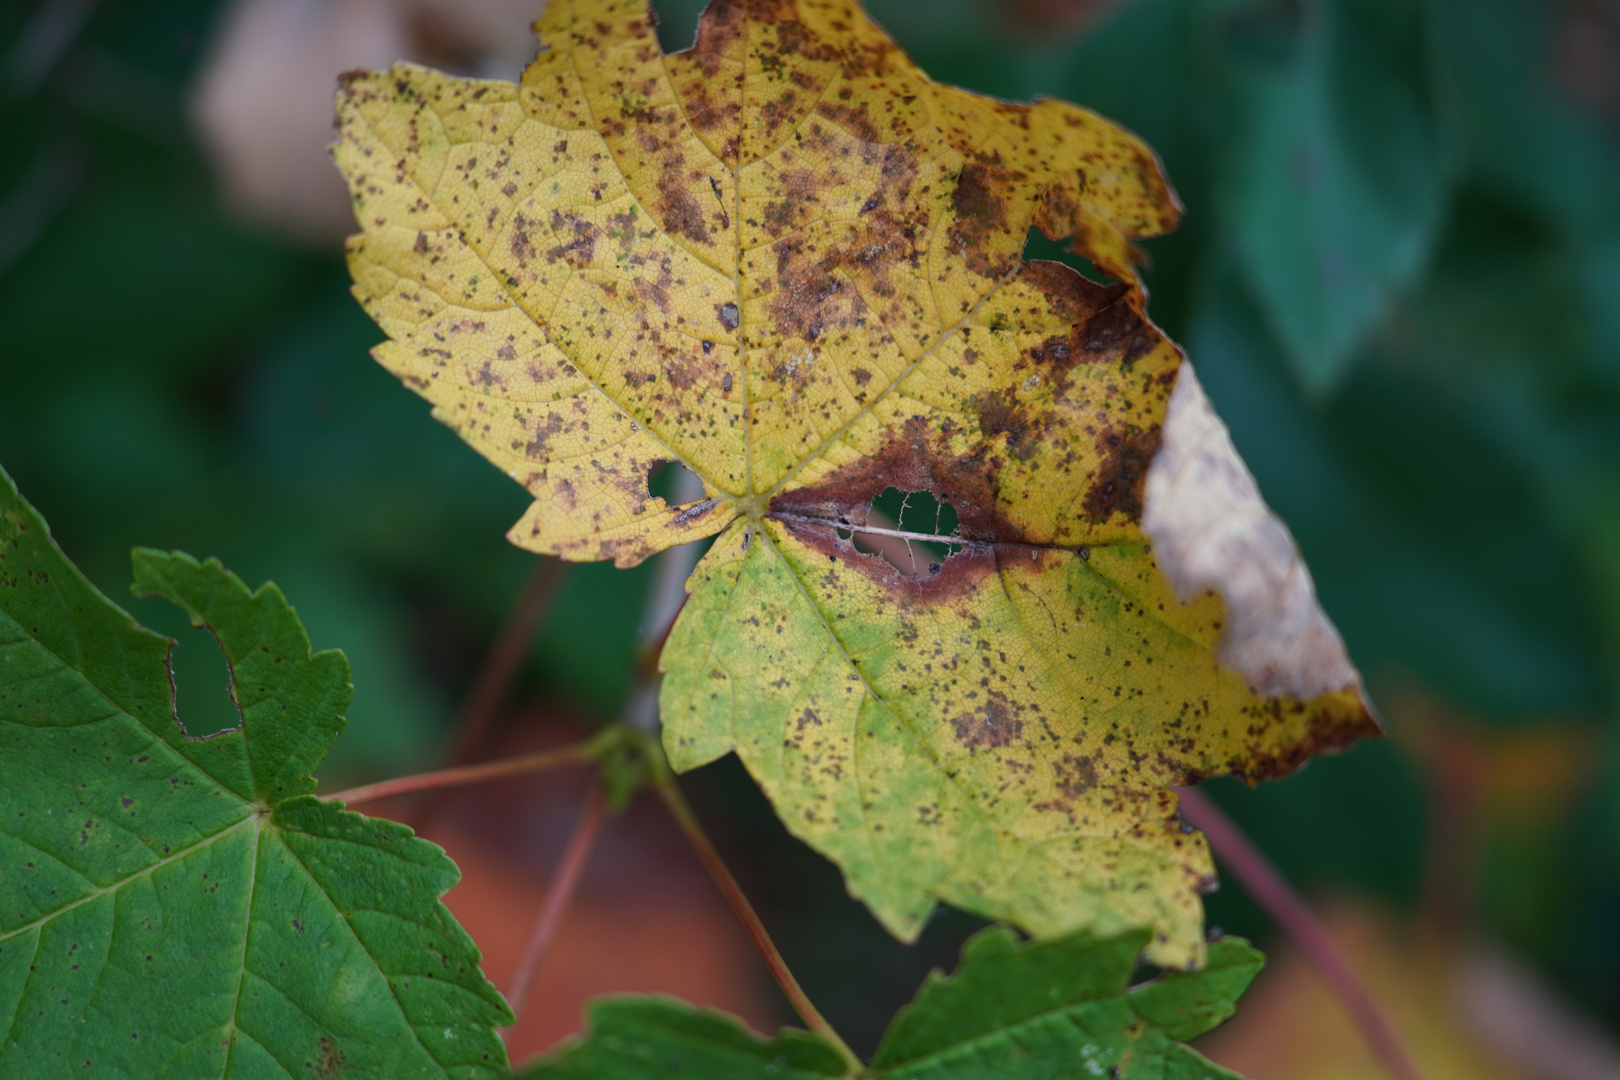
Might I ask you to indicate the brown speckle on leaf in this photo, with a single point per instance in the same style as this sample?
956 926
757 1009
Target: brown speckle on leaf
680 210
1075 775
1328 732
991 725
330 1062
980 212
1116 488
1119 335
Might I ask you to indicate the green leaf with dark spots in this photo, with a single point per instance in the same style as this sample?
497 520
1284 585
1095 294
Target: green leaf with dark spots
1050 1009
640 1038
179 907
1046 1010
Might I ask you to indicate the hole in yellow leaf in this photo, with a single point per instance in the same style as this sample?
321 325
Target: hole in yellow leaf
912 531
1037 246
673 482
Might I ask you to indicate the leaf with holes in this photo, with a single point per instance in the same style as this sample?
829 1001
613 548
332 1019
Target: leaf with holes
1012 1011
173 906
789 261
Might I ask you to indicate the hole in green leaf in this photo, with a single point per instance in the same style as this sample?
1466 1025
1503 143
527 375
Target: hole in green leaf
912 531
200 672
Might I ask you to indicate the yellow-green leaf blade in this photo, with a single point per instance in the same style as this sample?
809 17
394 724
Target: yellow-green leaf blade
842 237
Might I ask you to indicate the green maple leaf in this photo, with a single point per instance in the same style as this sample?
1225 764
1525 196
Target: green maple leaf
637 1038
176 907
1012 1011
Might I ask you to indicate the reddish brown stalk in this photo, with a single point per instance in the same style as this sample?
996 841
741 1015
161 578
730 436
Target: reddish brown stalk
505 658
578 754
682 813
1268 889
558 895
493 683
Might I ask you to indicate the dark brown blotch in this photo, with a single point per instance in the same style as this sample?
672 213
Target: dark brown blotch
1071 297
1117 485
1001 413
981 212
994 725
852 118
330 1062
1076 774
960 575
916 458
720 26
1118 334
580 248
678 208
522 246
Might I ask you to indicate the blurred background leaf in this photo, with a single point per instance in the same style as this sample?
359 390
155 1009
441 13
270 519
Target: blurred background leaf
1399 277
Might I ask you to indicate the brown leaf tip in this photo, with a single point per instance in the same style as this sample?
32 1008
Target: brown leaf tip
1210 529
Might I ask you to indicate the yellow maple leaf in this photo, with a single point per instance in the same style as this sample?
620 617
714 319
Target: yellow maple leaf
788 260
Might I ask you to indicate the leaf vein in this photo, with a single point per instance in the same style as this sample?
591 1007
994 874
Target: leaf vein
507 289
143 872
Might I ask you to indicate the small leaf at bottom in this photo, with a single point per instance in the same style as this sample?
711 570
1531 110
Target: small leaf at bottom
1051 1009
639 1038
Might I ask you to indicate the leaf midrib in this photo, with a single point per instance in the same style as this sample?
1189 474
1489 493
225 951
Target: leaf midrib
115 709
507 290
1064 1011
150 868
1038 849
749 495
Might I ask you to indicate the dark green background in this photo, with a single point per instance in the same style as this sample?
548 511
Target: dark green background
1399 278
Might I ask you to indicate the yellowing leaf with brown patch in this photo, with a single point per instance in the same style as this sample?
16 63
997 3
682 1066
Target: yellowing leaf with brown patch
788 260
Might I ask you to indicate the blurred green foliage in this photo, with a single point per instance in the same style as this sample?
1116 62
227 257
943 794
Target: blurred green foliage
1399 278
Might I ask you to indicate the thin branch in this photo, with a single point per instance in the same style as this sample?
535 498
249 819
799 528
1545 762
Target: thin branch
1268 889
682 813
494 680
558 895
578 754
493 684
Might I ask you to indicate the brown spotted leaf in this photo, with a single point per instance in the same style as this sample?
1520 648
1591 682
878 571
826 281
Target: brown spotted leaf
788 260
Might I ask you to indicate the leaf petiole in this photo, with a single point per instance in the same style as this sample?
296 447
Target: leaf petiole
496 675
1268 889
578 754
563 885
664 784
